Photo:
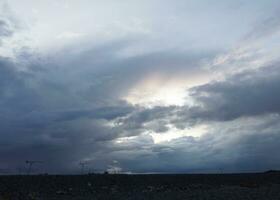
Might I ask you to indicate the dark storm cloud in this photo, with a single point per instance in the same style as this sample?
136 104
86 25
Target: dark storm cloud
104 73
242 113
15 96
32 128
67 108
247 94
233 146
250 93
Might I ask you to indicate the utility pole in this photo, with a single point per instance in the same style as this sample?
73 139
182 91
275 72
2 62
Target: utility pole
30 163
82 164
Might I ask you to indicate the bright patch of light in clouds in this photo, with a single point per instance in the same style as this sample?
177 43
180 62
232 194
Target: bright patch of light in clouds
174 133
122 140
165 90
157 94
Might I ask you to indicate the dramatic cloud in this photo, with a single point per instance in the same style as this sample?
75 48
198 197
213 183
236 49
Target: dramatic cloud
250 93
136 90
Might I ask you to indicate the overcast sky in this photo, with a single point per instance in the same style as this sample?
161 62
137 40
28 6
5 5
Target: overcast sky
142 86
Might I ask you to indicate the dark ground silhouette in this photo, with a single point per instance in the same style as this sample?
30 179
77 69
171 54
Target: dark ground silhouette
191 186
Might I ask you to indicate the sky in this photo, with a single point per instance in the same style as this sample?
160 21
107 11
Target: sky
150 86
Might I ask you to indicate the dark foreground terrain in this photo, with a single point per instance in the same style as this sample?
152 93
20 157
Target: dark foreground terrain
215 186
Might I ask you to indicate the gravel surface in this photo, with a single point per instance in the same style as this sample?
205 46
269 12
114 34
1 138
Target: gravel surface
207 186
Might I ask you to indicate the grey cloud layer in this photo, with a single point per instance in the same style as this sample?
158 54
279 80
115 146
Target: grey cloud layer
51 108
247 94
67 107
251 93
32 126
242 113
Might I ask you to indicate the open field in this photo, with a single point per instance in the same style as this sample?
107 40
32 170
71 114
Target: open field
191 186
